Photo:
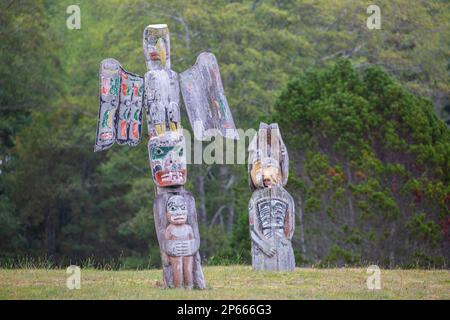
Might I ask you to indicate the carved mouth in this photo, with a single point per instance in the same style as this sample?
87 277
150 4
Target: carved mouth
170 178
154 56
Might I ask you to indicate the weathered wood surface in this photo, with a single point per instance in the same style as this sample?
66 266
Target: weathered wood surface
205 100
162 96
167 155
173 209
128 126
120 110
172 249
271 208
272 226
166 147
267 152
156 42
122 96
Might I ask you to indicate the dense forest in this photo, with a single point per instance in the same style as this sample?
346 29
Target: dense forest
363 114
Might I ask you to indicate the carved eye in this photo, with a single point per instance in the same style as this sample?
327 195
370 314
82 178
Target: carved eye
151 40
183 208
173 209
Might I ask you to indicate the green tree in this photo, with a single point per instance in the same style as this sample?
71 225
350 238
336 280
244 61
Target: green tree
372 164
59 198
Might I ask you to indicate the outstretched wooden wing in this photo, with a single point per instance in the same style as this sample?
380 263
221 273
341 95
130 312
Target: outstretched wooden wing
120 110
205 101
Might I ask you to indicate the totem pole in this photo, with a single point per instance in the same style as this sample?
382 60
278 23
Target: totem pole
122 98
271 207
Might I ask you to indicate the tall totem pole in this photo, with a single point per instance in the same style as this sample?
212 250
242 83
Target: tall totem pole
122 98
271 207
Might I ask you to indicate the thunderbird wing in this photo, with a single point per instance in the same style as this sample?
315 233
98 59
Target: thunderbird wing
120 110
205 100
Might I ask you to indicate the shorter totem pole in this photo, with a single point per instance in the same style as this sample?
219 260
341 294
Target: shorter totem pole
271 207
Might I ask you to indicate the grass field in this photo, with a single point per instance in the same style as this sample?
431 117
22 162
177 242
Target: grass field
227 282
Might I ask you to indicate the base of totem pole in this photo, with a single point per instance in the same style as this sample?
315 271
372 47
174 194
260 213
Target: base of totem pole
163 195
199 278
271 229
283 260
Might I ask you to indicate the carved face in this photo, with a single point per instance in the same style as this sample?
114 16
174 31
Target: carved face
168 160
271 176
176 210
266 173
157 46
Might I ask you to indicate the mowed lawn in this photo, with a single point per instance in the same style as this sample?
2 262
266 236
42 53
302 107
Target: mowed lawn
228 282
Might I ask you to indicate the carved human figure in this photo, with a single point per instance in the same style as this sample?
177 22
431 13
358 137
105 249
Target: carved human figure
271 229
271 207
179 237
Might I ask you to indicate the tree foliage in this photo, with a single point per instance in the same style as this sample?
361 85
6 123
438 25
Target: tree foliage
59 199
371 164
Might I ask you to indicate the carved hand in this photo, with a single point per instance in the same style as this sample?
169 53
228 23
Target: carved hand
265 247
269 251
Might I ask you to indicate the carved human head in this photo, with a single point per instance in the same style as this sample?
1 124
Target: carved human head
268 158
271 174
157 46
176 210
